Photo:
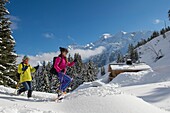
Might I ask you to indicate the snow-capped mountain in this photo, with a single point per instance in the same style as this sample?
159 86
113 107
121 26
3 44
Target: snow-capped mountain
113 44
102 51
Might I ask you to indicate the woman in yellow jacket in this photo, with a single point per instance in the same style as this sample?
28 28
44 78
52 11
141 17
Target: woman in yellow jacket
25 71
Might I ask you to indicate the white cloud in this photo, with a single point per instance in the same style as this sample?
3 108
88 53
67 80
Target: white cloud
14 20
14 26
34 60
157 21
48 35
85 54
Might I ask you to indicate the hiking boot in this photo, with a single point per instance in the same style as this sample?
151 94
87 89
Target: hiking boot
60 93
29 95
18 92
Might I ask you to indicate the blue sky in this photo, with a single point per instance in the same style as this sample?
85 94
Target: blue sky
41 26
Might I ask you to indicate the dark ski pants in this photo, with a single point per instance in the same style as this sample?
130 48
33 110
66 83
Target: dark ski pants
65 81
27 87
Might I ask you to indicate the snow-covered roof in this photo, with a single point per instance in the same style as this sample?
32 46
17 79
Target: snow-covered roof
141 66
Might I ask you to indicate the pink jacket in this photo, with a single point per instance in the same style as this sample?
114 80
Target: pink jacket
62 65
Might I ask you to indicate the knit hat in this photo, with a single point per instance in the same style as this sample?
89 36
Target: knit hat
63 49
25 57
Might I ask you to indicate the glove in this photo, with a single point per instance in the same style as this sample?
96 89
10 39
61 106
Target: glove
36 67
25 68
63 70
75 60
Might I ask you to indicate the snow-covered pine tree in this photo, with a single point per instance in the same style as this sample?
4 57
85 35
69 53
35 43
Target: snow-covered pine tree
81 72
132 53
92 71
71 70
41 81
102 71
76 71
7 44
120 58
44 81
52 80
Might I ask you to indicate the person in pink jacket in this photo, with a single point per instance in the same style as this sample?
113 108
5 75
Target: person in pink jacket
60 66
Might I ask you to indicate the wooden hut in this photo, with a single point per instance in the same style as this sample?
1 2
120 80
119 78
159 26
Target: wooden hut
116 69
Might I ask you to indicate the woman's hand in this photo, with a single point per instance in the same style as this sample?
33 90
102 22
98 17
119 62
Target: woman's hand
25 68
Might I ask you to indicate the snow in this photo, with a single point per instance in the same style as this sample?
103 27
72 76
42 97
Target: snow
2 66
7 11
152 85
106 35
156 93
11 64
10 79
123 32
134 78
140 66
12 53
159 43
4 47
132 35
91 84
103 99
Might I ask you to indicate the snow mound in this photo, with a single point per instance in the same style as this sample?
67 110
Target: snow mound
101 99
96 91
106 99
90 84
155 93
134 78
157 75
15 109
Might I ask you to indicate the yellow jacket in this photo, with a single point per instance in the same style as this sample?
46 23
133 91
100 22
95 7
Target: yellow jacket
25 75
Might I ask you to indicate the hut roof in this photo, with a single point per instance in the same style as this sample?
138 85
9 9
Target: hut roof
140 66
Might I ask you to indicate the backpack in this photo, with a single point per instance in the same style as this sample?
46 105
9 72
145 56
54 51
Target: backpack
18 74
53 70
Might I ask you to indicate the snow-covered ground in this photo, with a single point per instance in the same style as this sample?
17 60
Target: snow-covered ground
101 99
157 94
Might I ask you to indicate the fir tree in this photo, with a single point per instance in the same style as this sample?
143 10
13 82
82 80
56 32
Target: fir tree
120 58
132 52
7 43
162 31
103 71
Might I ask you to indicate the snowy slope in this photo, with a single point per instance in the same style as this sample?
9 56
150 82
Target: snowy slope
153 85
103 99
160 71
159 43
156 93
